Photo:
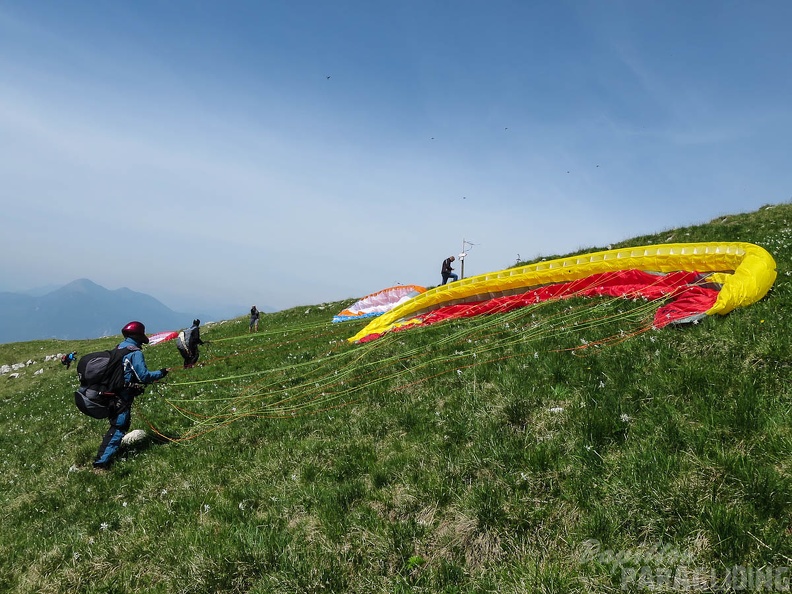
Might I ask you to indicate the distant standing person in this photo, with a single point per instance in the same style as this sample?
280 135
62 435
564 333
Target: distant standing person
136 377
254 319
188 342
446 271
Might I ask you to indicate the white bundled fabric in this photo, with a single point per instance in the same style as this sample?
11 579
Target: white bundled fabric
378 303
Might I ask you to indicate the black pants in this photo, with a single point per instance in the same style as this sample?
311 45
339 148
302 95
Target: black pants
190 359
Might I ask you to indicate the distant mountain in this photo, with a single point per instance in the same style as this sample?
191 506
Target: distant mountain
82 309
40 291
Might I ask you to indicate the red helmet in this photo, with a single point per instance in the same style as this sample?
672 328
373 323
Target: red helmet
136 330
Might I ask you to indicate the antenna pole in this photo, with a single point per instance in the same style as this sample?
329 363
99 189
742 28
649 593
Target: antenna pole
465 243
462 257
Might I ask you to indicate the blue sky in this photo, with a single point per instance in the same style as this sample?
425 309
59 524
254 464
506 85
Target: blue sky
295 152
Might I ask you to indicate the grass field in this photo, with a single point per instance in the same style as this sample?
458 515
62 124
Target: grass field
485 455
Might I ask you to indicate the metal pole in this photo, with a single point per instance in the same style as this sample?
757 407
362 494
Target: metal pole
462 268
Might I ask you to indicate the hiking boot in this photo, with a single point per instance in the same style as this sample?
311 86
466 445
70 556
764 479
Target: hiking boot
101 469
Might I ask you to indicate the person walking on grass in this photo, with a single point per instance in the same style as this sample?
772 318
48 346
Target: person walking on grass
136 377
188 342
254 320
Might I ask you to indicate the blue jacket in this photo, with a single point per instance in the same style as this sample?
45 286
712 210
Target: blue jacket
135 370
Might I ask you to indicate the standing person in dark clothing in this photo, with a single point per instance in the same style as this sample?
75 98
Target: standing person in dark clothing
136 377
254 319
446 271
188 342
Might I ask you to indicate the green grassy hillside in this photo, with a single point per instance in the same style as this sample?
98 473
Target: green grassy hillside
486 455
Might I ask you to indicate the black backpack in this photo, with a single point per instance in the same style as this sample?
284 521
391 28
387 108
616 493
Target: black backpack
101 376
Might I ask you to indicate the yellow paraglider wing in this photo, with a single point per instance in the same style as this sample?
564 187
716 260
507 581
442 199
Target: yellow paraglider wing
747 272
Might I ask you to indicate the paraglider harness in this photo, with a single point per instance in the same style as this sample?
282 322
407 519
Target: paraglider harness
101 376
182 342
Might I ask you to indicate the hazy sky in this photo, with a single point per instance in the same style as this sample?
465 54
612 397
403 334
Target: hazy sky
293 152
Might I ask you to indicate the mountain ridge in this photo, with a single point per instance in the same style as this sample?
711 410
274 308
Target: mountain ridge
82 309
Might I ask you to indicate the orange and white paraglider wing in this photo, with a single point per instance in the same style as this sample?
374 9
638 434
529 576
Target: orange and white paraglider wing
378 303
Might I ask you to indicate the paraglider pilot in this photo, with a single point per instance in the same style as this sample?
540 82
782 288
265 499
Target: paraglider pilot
188 342
446 271
67 360
136 377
